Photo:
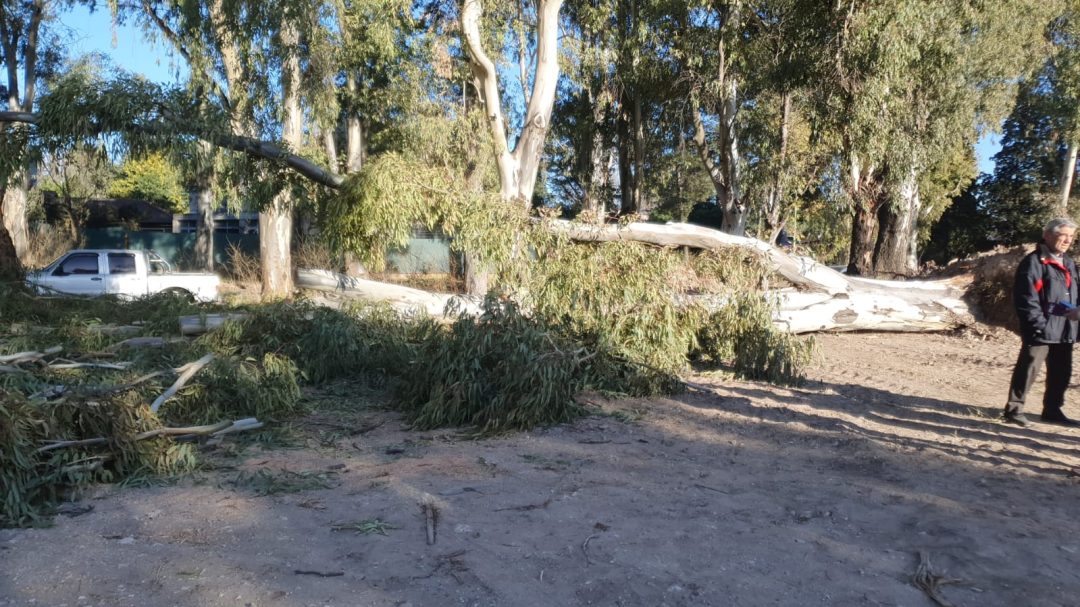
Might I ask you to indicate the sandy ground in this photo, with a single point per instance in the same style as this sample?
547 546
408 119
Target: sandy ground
745 494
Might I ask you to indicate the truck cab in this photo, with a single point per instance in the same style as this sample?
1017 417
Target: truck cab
123 272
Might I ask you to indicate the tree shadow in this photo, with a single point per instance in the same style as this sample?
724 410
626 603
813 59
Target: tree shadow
865 411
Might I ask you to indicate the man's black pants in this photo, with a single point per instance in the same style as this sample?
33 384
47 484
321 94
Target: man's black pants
1058 361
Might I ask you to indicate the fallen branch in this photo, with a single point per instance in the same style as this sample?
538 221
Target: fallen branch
926 580
585 548
431 517
218 429
191 370
142 342
114 366
22 357
204 323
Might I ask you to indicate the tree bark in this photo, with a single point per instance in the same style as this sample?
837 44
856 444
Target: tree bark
19 46
775 199
895 252
15 203
204 230
1067 172
596 173
10 267
638 192
866 192
734 221
276 221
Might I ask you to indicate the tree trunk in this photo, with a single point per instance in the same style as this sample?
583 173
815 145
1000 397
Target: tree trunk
275 248
775 199
863 232
275 222
626 173
15 202
734 221
402 298
864 188
204 235
596 172
826 301
1067 172
898 230
639 157
10 267
518 169
204 230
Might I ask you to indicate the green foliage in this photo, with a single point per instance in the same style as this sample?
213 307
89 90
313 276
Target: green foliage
31 480
236 388
496 372
741 331
378 209
368 341
619 297
152 178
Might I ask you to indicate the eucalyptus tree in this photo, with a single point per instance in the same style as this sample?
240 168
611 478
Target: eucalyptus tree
518 167
908 84
582 146
256 64
1021 193
29 51
1064 68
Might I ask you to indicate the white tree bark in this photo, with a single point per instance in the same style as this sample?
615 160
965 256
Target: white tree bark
825 300
1067 171
276 221
402 298
518 168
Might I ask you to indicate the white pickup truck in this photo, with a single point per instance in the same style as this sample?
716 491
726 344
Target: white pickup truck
124 272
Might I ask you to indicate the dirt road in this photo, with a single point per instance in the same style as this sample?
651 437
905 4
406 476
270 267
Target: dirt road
743 494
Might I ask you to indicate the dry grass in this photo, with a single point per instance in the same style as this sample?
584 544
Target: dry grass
243 267
47 243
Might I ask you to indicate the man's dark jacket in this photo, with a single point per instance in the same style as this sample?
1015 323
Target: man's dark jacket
1041 282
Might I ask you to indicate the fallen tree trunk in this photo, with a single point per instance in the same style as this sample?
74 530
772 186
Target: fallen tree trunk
824 299
403 298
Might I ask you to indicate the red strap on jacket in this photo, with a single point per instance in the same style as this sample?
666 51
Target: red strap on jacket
1057 264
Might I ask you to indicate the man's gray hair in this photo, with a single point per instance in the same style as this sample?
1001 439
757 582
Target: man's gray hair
1054 225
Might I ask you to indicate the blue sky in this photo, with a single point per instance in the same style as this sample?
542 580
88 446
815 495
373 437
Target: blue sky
130 49
127 46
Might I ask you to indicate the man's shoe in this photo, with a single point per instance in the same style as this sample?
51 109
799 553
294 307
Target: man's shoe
1016 419
1060 420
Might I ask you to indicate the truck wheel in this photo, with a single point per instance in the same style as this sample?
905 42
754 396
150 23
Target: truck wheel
179 294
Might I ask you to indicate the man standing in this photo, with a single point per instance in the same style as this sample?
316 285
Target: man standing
1045 296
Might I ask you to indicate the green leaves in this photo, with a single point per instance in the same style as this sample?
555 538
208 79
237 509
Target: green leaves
152 178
